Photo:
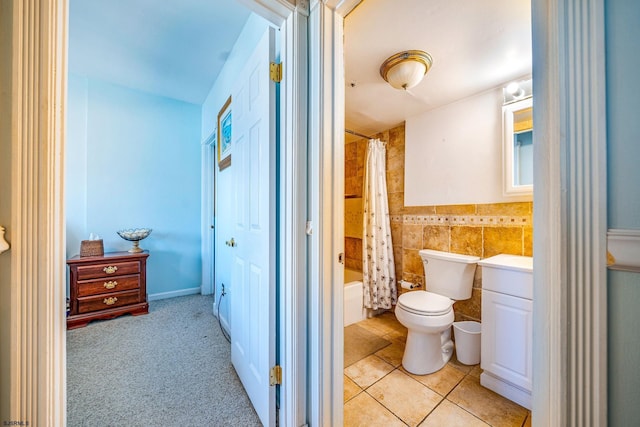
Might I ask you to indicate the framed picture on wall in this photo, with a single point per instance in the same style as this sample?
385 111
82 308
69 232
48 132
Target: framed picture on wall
224 136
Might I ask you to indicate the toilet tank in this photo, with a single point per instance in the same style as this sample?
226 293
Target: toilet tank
449 274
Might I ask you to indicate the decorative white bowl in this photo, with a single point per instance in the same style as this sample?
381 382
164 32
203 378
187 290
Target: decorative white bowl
134 235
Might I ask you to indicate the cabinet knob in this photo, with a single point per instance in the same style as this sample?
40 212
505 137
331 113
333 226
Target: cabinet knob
110 300
110 269
110 284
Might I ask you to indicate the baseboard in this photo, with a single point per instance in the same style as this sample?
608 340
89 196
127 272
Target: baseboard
173 294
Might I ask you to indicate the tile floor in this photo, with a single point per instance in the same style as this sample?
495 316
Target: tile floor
379 392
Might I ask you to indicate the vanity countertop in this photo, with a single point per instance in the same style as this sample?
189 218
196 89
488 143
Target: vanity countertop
509 262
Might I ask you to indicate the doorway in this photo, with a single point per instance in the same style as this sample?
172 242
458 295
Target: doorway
551 384
428 149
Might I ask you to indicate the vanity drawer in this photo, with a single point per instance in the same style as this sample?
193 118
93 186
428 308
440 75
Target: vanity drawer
108 285
107 270
106 301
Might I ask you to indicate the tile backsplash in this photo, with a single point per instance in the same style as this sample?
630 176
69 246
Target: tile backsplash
482 230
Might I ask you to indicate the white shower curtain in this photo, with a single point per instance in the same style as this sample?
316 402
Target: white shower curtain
378 268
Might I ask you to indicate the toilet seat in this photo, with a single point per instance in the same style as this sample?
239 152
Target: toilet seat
425 303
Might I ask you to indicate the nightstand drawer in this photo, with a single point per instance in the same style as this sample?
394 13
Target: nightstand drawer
102 302
107 270
108 285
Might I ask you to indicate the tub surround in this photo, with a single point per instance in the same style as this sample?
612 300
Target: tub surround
354 211
353 309
481 230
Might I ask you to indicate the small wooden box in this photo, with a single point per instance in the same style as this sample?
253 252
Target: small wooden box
91 248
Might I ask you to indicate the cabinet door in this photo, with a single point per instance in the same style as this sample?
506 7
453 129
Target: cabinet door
506 338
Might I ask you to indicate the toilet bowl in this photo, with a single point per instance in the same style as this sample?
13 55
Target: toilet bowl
428 315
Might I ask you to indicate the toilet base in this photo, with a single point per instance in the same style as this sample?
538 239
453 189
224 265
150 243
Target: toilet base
427 353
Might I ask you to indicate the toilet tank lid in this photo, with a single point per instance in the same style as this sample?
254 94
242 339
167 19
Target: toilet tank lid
449 256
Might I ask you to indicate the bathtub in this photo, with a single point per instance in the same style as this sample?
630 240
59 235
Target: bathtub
353 309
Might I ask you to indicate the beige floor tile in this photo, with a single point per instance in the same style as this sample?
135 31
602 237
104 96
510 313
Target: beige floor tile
351 389
476 371
458 365
393 353
380 325
389 319
490 407
405 397
450 415
364 411
368 370
396 335
442 381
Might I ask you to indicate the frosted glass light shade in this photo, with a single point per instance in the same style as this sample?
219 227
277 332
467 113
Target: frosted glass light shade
406 74
406 69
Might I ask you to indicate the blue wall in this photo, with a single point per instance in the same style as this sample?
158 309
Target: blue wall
623 155
76 163
248 39
623 107
133 160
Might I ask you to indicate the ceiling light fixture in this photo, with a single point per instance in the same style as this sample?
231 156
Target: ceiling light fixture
515 90
406 69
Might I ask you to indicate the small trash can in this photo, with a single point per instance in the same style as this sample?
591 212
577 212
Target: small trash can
467 336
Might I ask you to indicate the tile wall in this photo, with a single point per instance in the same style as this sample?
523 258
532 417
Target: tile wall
482 230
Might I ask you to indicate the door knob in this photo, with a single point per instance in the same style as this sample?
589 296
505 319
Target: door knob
231 243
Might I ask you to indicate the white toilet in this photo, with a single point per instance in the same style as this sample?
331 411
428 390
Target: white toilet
428 315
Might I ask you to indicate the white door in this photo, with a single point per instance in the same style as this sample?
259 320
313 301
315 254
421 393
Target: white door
253 255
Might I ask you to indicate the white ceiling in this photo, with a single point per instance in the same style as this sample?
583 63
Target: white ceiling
173 48
476 45
176 48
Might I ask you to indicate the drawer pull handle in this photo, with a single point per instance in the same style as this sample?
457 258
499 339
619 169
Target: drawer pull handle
110 300
110 270
110 284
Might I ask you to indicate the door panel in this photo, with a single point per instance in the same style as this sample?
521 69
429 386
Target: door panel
506 338
253 293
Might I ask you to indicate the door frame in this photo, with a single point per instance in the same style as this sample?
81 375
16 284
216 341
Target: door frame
207 227
569 205
291 19
38 328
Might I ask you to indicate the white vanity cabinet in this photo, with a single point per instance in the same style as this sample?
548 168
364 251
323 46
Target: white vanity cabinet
507 326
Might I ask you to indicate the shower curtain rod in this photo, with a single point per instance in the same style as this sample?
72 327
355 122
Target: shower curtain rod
357 134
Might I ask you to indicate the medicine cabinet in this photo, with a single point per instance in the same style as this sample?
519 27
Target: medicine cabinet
518 148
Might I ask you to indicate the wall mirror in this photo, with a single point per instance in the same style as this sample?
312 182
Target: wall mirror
518 147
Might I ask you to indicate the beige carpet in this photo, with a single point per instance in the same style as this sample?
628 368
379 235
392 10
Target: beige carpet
171 367
360 343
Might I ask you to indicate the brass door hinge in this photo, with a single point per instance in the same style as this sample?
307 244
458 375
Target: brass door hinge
275 375
275 72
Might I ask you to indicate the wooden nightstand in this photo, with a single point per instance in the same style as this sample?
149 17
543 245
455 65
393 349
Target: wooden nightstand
104 287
